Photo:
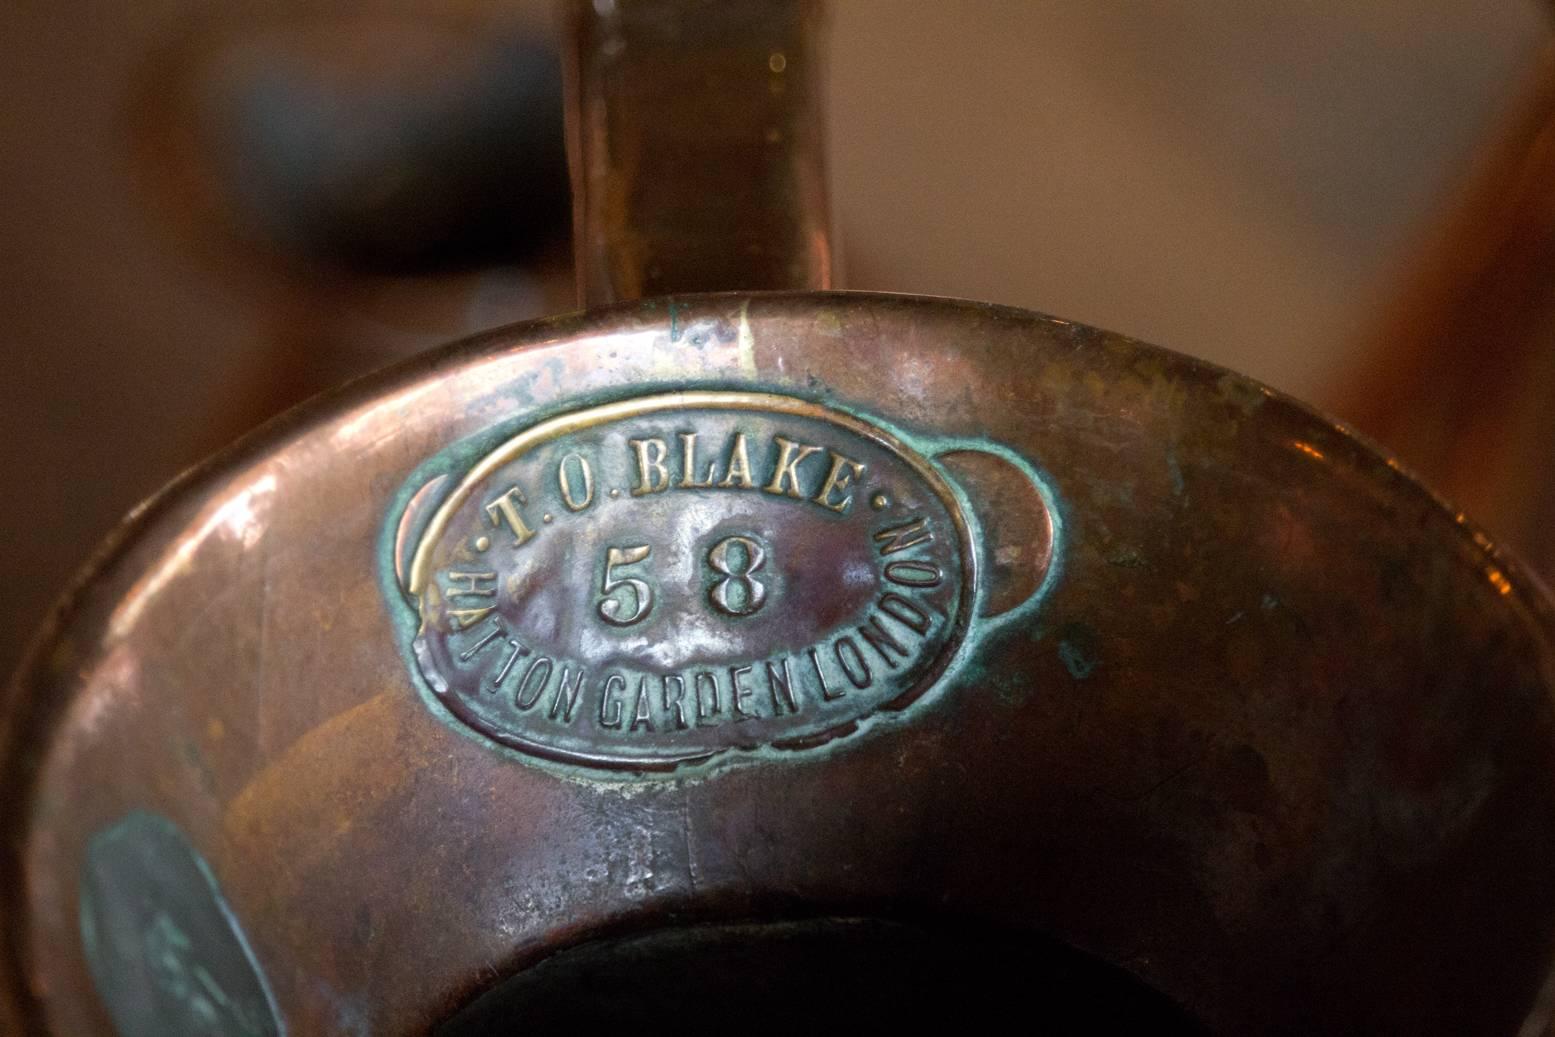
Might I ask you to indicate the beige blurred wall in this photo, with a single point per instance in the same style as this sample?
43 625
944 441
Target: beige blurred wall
1238 180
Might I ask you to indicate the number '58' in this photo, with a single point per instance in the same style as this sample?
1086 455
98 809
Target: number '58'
625 599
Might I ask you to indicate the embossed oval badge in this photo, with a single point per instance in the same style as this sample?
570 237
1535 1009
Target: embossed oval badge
661 580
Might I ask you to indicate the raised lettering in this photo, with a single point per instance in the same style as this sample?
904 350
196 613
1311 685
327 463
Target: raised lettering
464 619
883 643
738 465
675 705
564 482
782 689
653 475
564 703
785 471
908 534
820 676
502 674
495 632
609 705
642 712
852 662
739 593
844 471
696 695
504 508
612 608
740 696
674 542
911 573
469 585
533 685
905 612
472 585
688 464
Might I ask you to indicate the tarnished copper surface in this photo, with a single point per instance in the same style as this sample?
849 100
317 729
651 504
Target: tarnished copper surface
1278 738
1191 710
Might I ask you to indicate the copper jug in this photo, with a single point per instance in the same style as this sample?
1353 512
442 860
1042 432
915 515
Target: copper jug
780 657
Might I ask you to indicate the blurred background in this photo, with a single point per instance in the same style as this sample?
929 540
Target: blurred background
211 212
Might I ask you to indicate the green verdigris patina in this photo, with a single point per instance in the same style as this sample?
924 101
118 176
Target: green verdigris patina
165 951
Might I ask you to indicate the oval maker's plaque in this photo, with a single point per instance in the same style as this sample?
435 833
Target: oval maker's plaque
659 580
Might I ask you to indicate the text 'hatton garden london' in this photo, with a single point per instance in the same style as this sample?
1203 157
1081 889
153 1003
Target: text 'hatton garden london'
661 580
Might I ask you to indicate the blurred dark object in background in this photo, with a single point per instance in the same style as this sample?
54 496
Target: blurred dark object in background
376 145
214 212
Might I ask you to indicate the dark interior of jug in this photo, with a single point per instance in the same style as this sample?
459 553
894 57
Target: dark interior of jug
820 976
